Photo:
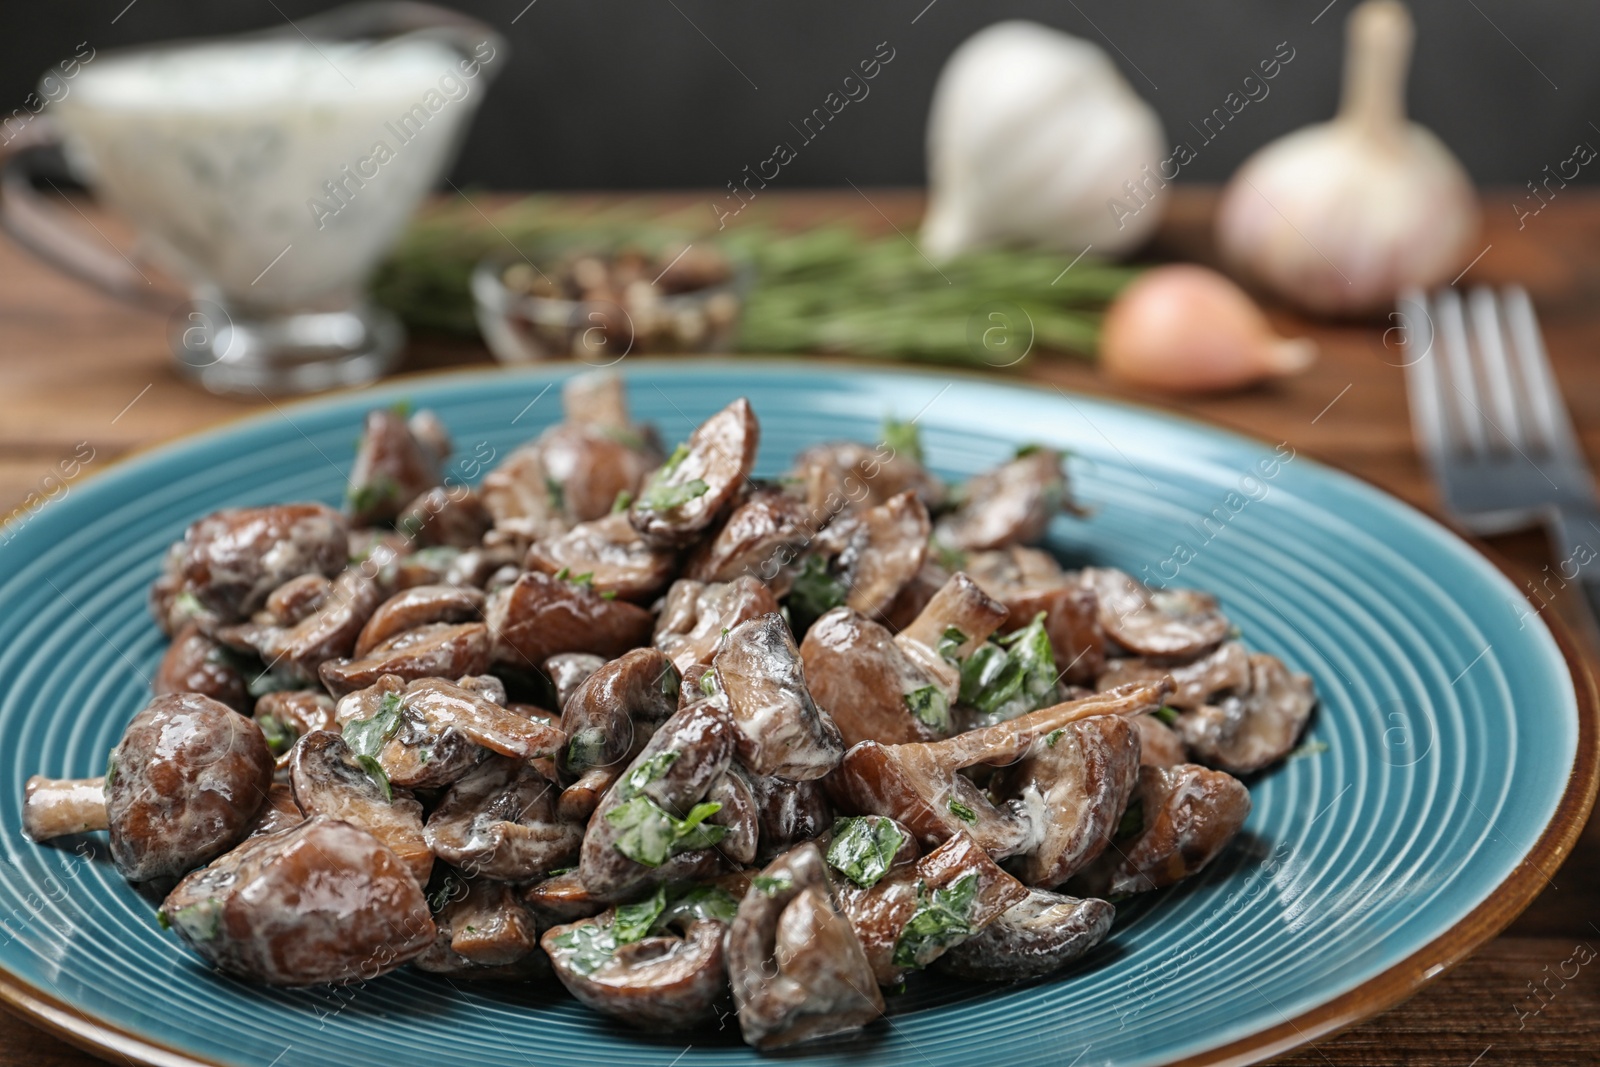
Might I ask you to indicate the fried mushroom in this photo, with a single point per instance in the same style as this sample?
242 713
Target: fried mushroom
1247 731
610 555
1010 505
231 560
695 615
782 731
194 663
327 780
55 807
500 821
415 606
431 651
1039 935
1177 624
485 932
539 616
393 464
700 479
1223 669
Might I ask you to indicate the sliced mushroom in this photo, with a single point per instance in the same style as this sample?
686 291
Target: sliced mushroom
789 812
610 555
182 785
840 476
426 566
1173 623
438 715
540 616
452 516
250 913
1028 581
956 889
658 981
739 811
392 466
700 479
877 551
762 536
55 807
326 634
500 821
327 780
620 703
194 663
568 671
1185 815
781 730
1038 936
563 898
231 560
523 498
280 812
484 932
1159 744
1073 786
415 606
1224 669
431 651
920 785
694 616
651 813
796 966
1010 505
295 599
285 715
1256 727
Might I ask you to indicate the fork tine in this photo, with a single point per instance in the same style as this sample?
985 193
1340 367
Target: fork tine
1461 384
1489 342
1424 387
1549 421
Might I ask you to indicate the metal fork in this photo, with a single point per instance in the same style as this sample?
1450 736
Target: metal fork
1488 416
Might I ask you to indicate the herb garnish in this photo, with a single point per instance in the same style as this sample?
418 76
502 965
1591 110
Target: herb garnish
903 438
942 918
1166 713
1012 675
662 494
930 706
815 592
585 748
772 885
961 811
863 848
647 833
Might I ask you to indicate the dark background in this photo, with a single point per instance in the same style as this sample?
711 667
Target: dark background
681 93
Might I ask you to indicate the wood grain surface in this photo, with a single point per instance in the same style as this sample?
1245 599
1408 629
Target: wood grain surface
77 368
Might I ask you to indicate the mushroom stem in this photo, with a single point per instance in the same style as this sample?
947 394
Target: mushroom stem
961 605
1003 742
54 807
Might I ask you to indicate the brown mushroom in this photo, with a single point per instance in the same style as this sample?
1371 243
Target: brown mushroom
1182 817
840 476
1223 669
327 780
540 616
393 466
485 932
1159 744
610 556
182 785
1173 623
700 479
415 606
781 730
876 551
251 914
694 616
194 663
917 911
55 807
229 561
431 651
500 821
1010 505
615 708
280 812
762 537
1258 726
453 516
522 497
1037 936
568 670
327 633
285 715
796 966
563 898
1028 581
789 812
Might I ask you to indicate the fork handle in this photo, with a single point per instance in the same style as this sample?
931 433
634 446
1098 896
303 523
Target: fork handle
1575 541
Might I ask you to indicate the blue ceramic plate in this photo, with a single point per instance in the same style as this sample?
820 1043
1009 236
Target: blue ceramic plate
1445 774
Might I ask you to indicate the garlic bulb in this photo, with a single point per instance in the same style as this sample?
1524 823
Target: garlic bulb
1340 216
1187 329
1031 133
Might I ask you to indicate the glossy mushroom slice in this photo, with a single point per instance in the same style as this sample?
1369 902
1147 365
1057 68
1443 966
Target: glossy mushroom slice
629 964
251 915
1224 669
599 454
876 551
1035 937
328 780
694 616
540 616
920 785
609 555
1010 505
1073 784
897 689
328 633
55 807
1028 581
523 498
229 561
616 709
418 605
182 785
437 650
796 966
194 663
500 821
280 812
1249 730
788 812
840 476
1159 744
563 898
916 912
700 479
762 537
657 810
453 516
781 730
1177 624
286 715
568 671
485 932
393 465
1181 817
739 812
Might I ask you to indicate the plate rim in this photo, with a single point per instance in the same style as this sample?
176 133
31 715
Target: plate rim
1396 983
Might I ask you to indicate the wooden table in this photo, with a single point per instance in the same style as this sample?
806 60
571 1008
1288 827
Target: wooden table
77 368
